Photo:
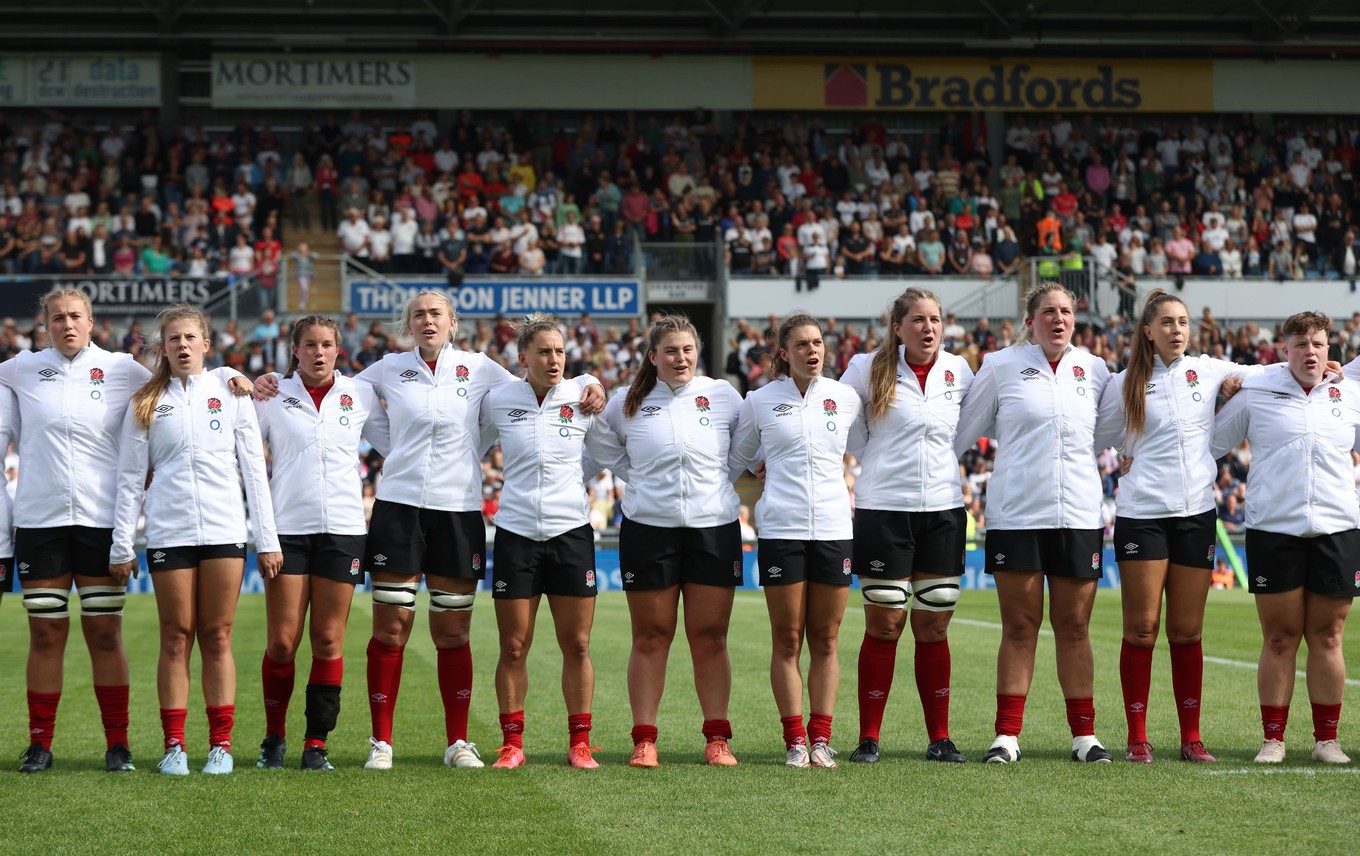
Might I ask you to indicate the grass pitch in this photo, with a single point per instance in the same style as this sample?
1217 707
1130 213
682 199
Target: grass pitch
1044 804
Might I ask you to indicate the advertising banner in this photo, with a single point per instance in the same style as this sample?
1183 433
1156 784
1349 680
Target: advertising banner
315 82
19 295
618 298
905 83
93 80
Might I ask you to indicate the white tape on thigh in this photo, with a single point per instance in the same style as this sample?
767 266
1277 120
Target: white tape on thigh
940 594
888 594
400 595
447 601
47 602
101 600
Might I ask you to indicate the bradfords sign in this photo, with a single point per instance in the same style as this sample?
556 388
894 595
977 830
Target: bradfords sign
293 81
978 84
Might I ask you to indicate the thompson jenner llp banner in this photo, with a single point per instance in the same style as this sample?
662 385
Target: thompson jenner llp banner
901 83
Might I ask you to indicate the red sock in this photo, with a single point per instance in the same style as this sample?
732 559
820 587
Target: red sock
1187 680
932 684
877 659
1081 716
1010 714
113 710
1135 674
578 729
1326 717
172 725
277 680
1273 721
819 728
512 727
644 732
221 718
717 729
384 680
455 687
42 717
327 673
794 733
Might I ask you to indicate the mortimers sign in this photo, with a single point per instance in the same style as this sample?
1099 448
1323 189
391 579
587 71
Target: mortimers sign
312 81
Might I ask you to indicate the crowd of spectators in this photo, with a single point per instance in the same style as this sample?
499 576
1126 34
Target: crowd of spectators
511 194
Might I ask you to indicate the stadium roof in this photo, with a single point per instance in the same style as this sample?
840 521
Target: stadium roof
1124 27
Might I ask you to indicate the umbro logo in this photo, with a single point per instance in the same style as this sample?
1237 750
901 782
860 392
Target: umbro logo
1150 388
628 576
650 409
48 373
410 373
877 565
942 692
1137 706
380 559
517 413
1281 397
1190 702
1274 726
165 408
999 558
465 693
876 694
292 402
1260 581
1130 548
158 556
379 697
23 567
774 573
500 585
781 409
1030 373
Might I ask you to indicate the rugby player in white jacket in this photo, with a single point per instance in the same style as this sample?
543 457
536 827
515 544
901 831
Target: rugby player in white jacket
803 424
1302 424
679 536
203 446
1160 411
544 540
1038 400
72 397
427 520
9 411
313 429
910 525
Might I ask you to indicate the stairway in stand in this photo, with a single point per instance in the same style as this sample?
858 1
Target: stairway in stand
325 292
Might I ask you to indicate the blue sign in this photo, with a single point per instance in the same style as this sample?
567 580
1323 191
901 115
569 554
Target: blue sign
618 298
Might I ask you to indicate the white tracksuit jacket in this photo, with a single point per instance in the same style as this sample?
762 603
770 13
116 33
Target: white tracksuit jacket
1302 481
677 448
804 439
1044 423
435 427
69 418
315 485
909 463
542 448
202 445
1173 468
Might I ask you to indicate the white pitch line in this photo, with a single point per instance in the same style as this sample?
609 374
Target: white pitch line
1285 771
1044 631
